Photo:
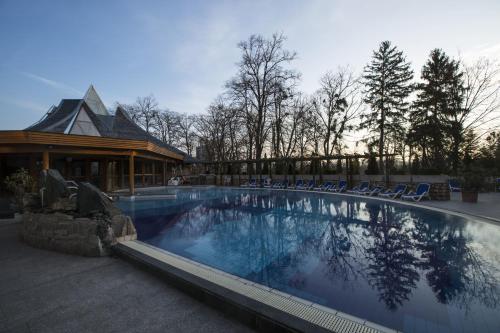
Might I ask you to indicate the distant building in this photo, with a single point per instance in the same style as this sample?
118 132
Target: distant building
82 140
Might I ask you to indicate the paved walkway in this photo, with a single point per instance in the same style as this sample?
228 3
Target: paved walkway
488 205
43 291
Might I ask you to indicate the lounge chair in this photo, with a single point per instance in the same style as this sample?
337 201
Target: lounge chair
393 194
454 185
341 186
332 188
373 192
250 183
298 184
421 192
324 187
268 183
361 188
307 186
283 184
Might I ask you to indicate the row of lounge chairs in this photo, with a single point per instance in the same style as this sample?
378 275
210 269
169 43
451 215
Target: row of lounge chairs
421 192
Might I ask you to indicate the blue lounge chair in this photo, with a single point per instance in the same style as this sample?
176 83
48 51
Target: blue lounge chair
454 185
324 187
268 183
307 186
332 188
250 183
373 192
298 184
393 194
421 192
284 184
341 187
276 184
362 187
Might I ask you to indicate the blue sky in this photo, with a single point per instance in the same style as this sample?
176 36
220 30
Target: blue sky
184 51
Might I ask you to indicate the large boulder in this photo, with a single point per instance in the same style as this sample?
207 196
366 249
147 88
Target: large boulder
54 187
123 228
91 201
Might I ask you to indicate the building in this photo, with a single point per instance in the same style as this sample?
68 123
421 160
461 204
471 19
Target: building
82 140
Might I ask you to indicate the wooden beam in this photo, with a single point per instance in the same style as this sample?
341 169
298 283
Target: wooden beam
60 139
131 173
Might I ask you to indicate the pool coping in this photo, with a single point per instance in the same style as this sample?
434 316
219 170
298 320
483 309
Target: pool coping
257 305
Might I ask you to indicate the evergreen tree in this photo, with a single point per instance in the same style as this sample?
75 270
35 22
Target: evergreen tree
436 128
387 79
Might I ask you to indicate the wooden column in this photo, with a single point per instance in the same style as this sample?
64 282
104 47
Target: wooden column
131 173
164 173
122 173
46 160
153 171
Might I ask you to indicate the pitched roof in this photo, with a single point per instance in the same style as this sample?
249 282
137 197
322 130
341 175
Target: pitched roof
58 118
119 125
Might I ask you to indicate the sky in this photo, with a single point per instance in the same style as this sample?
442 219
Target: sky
183 52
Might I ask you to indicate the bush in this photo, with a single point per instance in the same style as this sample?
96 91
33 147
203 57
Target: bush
19 183
19 180
472 179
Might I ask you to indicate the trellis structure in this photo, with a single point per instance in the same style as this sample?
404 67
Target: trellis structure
221 167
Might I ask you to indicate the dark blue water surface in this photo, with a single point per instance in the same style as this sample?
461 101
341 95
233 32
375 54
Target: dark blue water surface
406 268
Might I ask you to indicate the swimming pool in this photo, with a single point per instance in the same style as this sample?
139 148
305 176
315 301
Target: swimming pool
404 267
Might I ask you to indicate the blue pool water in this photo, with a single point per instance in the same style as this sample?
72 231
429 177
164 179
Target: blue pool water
406 268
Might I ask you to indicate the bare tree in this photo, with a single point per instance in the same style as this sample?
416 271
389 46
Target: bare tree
186 132
144 111
336 104
166 125
481 103
261 77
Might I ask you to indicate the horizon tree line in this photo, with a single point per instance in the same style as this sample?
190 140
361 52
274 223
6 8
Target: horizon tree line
434 124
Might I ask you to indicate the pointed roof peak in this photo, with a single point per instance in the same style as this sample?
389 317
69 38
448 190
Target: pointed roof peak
94 101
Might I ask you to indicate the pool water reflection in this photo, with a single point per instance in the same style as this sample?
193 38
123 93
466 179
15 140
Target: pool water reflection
406 268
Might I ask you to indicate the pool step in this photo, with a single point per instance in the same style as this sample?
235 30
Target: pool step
256 305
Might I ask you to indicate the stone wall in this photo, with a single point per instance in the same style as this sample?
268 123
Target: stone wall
75 235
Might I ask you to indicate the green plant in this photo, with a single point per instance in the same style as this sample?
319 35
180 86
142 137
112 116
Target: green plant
472 179
19 181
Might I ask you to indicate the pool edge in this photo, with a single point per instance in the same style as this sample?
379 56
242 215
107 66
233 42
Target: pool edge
256 305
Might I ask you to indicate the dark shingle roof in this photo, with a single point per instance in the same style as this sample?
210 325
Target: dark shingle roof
119 125
59 119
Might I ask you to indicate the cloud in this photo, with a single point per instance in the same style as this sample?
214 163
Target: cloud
52 83
491 51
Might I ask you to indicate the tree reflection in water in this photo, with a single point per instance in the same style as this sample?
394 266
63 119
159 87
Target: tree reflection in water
272 237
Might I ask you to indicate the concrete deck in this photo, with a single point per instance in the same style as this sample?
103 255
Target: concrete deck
43 291
488 205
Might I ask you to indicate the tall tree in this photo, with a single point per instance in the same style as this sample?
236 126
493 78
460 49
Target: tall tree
262 75
186 132
166 124
144 111
436 112
387 79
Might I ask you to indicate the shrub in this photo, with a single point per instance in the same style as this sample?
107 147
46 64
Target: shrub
19 183
472 179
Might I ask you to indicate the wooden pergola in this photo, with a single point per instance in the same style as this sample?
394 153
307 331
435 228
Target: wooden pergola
316 161
45 147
